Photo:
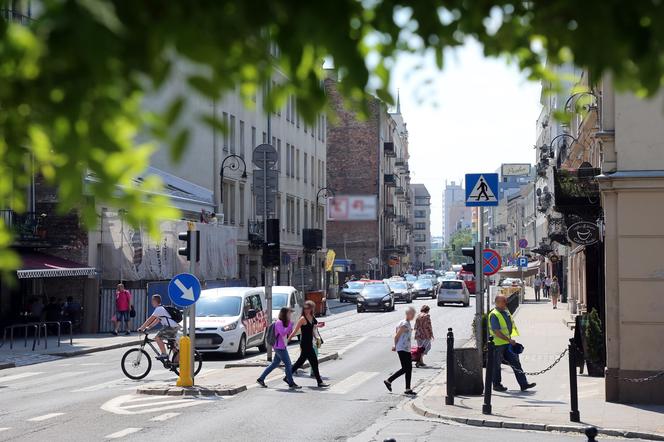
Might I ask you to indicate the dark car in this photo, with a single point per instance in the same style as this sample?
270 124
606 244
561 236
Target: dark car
401 290
375 297
350 291
424 287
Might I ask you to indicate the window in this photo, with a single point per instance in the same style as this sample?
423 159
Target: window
253 138
224 120
231 191
279 161
278 211
306 215
241 220
297 216
420 214
264 138
324 124
232 133
292 158
313 209
420 237
312 171
242 146
306 164
297 164
420 226
288 162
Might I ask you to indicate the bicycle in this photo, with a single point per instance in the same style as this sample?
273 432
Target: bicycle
136 363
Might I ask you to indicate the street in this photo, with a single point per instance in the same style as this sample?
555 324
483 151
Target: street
87 397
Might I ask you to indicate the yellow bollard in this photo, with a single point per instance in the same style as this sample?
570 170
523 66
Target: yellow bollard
185 379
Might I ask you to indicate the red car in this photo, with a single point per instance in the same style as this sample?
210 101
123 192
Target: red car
469 279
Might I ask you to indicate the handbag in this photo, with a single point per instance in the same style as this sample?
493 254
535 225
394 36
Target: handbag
317 337
132 312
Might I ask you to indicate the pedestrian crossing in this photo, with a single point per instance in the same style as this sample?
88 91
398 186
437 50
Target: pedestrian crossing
351 383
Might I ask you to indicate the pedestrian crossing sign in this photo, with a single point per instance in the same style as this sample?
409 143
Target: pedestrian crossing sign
481 189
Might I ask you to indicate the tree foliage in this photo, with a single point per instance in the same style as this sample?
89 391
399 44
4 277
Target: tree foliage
72 79
460 238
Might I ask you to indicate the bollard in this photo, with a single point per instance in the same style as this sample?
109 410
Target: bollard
591 433
573 391
185 379
449 399
488 377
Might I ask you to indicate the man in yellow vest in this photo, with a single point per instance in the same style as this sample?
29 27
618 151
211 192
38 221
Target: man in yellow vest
503 329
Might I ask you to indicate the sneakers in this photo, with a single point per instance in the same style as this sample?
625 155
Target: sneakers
294 386
114 333
410 392
261 382
323 385
162 357
388 385
127 333
528 386
499 387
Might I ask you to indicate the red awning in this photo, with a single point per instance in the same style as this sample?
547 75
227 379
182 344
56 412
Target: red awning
40 265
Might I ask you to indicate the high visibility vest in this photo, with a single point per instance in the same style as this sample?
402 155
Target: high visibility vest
503 327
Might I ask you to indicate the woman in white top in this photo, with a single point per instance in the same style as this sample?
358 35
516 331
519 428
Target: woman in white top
401 345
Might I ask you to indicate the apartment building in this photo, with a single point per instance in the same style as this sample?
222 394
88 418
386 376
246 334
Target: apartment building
456 216
421 226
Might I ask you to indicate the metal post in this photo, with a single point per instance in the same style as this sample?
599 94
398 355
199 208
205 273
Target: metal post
268 270
573 391
488 377
268 299
479 279
449 399
192 309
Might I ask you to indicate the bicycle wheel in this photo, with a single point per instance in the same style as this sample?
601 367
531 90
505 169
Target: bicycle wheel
136 363
198 363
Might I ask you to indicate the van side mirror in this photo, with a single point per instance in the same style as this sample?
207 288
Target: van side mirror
251 313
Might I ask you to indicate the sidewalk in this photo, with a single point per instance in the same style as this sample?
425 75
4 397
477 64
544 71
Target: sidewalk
81 344
237 377
544 336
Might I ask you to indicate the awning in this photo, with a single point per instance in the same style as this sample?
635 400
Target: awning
516 272
40 265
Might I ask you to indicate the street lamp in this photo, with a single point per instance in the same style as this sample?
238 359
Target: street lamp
235 161
327 192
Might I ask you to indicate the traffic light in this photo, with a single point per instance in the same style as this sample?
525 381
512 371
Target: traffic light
470 253
186 249
271 246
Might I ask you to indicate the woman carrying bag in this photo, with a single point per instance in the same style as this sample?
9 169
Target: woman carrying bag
309 341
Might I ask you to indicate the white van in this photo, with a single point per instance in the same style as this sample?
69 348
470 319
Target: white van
286 296
230 320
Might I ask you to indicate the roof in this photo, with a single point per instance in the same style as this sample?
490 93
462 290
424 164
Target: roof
420 189
40 265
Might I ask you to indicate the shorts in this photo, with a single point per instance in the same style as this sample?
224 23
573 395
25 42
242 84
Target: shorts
122 316
168 332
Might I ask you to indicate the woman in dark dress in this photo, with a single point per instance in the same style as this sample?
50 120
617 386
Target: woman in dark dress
306 325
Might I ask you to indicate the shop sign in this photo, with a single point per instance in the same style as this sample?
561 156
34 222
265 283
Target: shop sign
584 233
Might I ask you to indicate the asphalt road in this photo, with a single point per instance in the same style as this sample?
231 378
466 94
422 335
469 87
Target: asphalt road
87 398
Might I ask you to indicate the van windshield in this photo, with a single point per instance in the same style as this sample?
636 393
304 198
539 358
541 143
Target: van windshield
279 300
218 306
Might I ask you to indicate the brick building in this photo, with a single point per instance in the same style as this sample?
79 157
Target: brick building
369 220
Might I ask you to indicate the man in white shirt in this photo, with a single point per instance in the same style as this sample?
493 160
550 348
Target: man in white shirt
169 328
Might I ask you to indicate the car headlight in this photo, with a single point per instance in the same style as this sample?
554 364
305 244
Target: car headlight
229 327
360 298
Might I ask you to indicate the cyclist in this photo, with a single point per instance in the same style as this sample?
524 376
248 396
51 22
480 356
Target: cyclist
169 328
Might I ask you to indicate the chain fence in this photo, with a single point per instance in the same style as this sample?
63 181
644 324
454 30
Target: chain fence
650 378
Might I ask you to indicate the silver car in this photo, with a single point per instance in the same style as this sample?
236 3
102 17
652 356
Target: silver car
453 290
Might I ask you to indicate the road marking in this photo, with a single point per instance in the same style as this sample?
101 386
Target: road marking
19 376
164 417
126 404
98 386
351 382
123 433
5 428
166 400
45 417
354 344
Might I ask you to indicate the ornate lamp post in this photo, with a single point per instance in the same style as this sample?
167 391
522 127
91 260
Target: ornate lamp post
234 163
325 192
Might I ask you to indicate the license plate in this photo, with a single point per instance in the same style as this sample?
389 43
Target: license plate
204 341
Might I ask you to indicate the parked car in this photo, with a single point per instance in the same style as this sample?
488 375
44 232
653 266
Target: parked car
450 275
410 278
454 290
424 287
286 296
231 320
350 291
401 290
469 279
375 297
511 282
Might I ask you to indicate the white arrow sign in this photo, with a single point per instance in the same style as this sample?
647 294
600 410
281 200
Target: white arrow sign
187 293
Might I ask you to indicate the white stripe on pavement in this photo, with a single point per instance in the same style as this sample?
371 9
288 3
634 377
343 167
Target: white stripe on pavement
123 433
100 386
164 417
19 376
354 344
44 417
351 382
5 428
158 403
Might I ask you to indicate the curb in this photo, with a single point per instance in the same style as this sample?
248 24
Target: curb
68 354
196 391
422 411
324 358
5 365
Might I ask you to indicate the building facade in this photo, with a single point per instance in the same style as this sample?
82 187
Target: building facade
456 216
421 226
369 217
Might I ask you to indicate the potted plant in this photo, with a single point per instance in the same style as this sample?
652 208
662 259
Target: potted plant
594 348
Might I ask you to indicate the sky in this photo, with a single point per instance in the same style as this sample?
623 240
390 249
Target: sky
472 116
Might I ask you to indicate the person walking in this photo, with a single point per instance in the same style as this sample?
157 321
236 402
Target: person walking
307 324
402 338
537 285
423 334
503 330
555 292
282 329
122 308
547 286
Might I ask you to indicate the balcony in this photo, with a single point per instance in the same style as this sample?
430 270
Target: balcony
400 193
255 234
390 179
577 191
393 249
401 163
389 211
30 229
402 220
388 149
11 15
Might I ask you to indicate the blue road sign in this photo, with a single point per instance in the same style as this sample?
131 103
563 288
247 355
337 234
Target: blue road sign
491 262
184 289
481 189
522 261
